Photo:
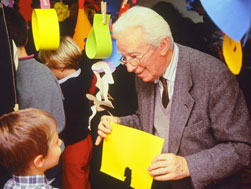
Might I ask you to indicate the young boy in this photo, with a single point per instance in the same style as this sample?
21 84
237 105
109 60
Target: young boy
29 145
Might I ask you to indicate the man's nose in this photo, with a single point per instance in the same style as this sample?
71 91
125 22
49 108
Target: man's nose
130 68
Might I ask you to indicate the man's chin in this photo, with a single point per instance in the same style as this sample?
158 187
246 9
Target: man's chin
146 79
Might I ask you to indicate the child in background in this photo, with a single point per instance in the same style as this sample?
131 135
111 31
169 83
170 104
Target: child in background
29 145
37 86
75 84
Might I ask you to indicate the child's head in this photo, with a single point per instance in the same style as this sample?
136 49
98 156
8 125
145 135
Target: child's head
66 57
16 25
29 141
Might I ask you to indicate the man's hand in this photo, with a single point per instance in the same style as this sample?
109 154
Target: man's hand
168 167
105 128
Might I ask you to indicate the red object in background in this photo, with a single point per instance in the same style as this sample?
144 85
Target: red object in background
93 86
25 9
76 164
124 8
81 4
93 4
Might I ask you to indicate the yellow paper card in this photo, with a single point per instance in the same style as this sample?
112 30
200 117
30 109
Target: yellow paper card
99 41
125 148
232 52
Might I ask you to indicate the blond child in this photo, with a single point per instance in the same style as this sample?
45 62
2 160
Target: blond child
74 82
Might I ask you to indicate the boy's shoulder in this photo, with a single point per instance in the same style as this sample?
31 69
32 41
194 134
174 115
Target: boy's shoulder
28 182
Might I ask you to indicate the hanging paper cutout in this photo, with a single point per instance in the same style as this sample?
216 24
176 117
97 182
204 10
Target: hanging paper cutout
232 52
104 81
25 9
102 97
110 64
115 56
45 27
98 105
125 149
82 29
233 17
99 43
83 26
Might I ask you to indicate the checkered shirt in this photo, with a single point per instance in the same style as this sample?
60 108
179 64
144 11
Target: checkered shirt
28 182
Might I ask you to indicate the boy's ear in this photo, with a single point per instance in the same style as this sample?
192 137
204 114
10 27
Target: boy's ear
164 45
38 161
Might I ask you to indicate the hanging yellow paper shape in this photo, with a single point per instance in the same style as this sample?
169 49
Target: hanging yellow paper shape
45 29
232 52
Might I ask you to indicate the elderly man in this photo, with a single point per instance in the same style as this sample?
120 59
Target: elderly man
188 98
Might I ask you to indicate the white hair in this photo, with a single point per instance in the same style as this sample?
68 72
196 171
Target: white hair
154 26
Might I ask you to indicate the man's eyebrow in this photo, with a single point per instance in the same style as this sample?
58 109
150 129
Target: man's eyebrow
131 53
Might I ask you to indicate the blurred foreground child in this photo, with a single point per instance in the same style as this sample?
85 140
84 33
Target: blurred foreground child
29 145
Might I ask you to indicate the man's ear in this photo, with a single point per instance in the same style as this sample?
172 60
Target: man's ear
38 162
164 46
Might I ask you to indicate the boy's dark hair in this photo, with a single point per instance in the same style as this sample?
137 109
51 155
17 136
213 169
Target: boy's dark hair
16 25
24 134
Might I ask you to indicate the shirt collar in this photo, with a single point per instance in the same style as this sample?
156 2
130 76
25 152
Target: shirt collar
31 180
26 57
74 74
170 72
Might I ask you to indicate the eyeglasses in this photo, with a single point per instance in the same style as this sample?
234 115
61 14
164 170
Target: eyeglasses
133 61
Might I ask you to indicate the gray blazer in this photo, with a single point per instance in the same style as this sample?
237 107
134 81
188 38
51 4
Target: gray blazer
209 124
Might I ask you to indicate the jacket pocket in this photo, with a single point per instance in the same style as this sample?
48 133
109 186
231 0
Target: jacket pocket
196 137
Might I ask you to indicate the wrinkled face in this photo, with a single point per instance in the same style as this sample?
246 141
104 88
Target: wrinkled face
54 151
150 64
